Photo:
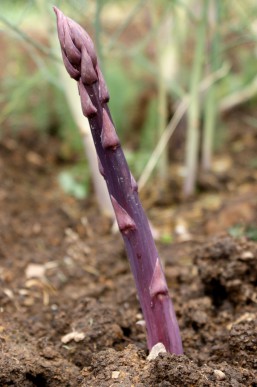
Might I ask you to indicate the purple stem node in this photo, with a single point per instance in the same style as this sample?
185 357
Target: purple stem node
125 222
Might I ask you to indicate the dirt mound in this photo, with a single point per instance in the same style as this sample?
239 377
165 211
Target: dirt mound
68 302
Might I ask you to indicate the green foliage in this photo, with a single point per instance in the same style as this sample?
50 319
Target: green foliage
253 163
236 231
75 181
27 96
221 134
32 97
239 230
124 92
166 239
251 233
148 139
136 160
66 129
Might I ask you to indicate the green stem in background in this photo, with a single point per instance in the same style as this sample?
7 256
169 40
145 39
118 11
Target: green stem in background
166 60
32 42
239 97
180 35
192 137
171 37
98 28
210 111
177 116
162 123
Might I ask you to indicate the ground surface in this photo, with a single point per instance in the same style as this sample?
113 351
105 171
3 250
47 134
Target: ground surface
62 272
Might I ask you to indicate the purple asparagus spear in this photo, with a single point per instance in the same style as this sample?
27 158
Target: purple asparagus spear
80 60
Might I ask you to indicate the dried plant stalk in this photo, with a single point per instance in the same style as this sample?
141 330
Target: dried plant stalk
80 60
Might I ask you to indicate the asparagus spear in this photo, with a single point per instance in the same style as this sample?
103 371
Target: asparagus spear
81 62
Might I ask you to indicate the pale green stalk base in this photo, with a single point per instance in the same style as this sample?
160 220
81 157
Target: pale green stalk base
210 116
192 139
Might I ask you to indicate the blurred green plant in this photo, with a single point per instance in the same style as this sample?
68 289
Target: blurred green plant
239 230
127 41
118 81
210 108
75 181
194 110
35 84
166 238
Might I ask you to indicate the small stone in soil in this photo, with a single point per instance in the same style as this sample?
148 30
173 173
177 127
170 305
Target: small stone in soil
247 255
115 374
76 336
157 348
34 270
219 375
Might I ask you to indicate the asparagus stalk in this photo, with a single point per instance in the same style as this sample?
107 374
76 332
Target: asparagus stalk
81 62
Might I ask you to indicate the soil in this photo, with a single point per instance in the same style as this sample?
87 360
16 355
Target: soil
68 304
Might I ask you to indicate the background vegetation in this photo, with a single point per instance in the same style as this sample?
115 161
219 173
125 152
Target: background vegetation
173 69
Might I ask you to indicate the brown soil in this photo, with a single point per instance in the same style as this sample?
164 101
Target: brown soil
62 272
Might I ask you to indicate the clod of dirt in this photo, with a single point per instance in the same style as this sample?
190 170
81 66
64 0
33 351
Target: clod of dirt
214 293
243 343
132 369
127 364
228 274
22 365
